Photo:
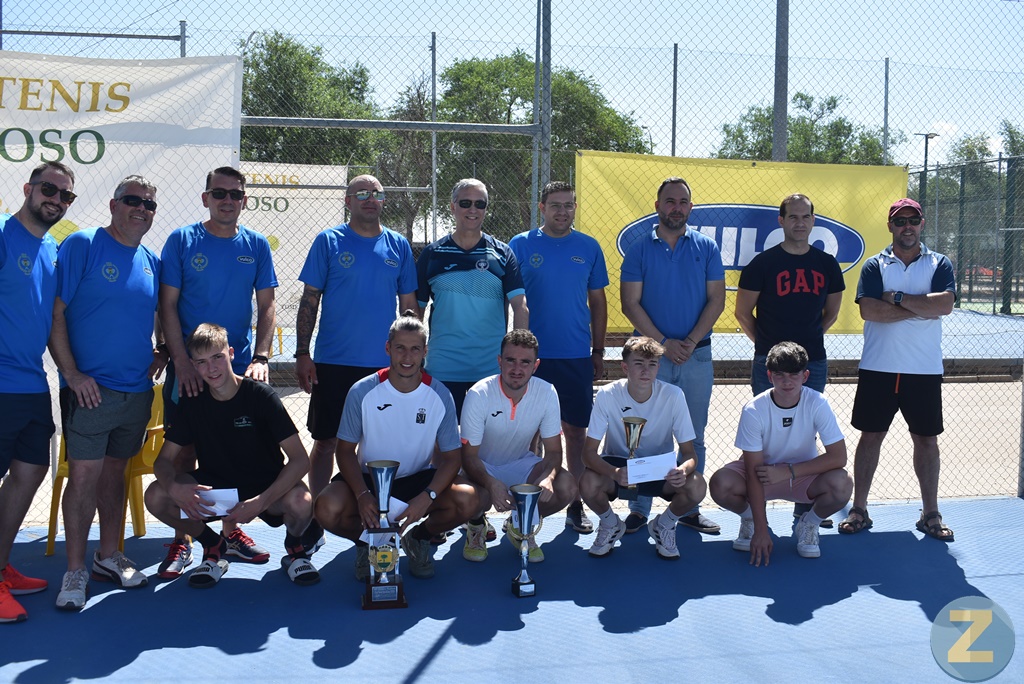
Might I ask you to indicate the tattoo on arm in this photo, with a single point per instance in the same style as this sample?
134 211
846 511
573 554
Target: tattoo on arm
309 305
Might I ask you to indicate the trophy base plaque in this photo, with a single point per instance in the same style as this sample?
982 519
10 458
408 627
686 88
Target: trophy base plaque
379 596
523 589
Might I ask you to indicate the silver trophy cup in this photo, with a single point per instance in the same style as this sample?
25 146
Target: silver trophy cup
634 427
384 590
526 496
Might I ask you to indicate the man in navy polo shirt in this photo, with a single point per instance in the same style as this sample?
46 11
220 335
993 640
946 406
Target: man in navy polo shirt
673 291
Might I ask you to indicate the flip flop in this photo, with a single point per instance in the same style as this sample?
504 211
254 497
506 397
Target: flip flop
935 530
854 525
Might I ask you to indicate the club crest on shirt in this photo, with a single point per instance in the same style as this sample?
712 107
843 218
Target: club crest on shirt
481 265
110 272
421 416
346 259
787 421
200 262
25 264
391 262
536 260
243 422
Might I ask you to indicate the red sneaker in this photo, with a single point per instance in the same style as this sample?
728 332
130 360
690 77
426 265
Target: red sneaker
10 609
19 584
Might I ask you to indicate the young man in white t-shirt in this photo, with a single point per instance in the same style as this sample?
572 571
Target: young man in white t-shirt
668 428
777 433
501 415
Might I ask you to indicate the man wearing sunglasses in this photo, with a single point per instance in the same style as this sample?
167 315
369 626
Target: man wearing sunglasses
209 273
472 278
28 287
107 281
903 293
359 269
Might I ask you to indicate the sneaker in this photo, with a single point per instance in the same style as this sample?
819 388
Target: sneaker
475 549
577 519
179 557
119 570
698 522
243 548
607 535
536 555
800 508
302 572
491 533
420 555
635 521
742 540
73 589
208 573
806 534
362 567
10 609
18 584
664 538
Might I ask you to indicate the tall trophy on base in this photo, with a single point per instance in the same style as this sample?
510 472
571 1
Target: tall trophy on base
634 426
384 588
526 497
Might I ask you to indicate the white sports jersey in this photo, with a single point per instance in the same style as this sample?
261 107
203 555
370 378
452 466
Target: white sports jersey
666 413
787 435
504 430
399 426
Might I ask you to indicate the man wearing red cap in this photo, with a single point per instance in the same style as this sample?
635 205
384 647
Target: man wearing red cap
903 293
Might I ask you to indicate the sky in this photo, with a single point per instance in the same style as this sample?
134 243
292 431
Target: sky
954 65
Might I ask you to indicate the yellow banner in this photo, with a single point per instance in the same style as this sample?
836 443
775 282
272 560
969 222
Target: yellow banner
736 203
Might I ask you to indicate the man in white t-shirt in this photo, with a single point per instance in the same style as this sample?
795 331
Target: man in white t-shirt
668 428
501 415
777 433
399 413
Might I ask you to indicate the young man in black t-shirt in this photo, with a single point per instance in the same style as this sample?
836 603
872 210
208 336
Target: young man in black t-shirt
240 429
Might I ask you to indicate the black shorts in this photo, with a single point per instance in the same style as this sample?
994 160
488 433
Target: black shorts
327 401
648 489
170 393
26 429
574 382
404 488
880 395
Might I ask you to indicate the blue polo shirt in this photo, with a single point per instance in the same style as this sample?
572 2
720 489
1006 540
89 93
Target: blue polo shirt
674 281
558 274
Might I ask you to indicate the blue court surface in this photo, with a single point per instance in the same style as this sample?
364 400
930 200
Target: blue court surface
861 613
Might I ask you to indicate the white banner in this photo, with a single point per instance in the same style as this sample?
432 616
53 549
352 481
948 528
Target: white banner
171 121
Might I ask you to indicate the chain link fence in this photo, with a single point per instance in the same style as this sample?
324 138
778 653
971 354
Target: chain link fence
867 83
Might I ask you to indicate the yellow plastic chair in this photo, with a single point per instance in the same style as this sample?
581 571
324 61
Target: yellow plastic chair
140 464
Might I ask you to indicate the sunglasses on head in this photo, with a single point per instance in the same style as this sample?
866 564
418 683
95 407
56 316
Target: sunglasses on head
135 200
363 195
902 221
466 204
221 193
49 190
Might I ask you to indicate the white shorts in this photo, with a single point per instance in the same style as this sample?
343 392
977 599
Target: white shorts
514 472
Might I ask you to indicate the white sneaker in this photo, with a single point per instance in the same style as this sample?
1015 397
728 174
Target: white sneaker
742 541
806 534
117 569
302 572
664 538
73 590
607 535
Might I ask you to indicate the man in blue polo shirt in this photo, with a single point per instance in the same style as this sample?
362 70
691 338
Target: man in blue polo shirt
108 281
472 278
673 290
565 276
28 286
359 269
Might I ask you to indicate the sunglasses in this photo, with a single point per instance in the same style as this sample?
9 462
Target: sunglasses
363 195
901 221
49 190
221 193
135 200
466 204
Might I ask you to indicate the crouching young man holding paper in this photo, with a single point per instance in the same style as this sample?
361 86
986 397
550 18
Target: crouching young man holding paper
244 441
667 430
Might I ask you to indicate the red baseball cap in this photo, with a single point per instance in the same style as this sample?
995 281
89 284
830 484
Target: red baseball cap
906 202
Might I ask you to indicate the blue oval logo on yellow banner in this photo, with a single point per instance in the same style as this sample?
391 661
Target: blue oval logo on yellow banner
742 231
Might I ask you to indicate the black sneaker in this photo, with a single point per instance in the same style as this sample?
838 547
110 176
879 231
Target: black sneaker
577 519
697 521
800 508
634 522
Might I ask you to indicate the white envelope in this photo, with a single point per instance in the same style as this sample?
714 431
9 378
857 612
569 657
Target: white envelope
395 508
649 468
220 501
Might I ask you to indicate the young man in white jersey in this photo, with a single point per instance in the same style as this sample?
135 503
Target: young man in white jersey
777 433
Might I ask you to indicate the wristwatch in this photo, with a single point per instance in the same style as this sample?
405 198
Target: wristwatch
259 358
897 298
431 493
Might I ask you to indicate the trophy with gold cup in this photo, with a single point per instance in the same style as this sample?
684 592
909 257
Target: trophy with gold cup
526 497
384 588
634 427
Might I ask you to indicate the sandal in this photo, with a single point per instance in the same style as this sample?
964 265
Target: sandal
936 529
854 525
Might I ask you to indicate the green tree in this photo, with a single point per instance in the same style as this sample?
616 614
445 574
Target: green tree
817 134
282 77
1013 138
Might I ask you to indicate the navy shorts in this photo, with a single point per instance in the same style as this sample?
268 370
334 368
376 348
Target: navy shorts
574 382
403 488
327 401
25 430
880 395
